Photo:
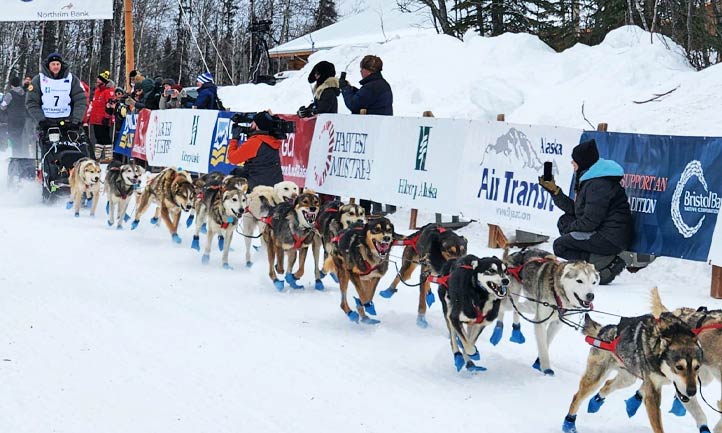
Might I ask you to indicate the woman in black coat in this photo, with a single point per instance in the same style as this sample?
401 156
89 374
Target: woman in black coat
325 90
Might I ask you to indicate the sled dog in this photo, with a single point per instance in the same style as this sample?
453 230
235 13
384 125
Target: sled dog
84 178
121 180
173 192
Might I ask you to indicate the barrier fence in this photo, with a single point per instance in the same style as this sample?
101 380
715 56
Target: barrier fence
486 170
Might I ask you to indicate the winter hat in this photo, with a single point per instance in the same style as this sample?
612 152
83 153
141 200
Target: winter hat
119 90
372 63
585 154
104 76
324 69
205 77
169 81
53 57
264 121
15 81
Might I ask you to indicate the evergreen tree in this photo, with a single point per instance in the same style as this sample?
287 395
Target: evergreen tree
325 15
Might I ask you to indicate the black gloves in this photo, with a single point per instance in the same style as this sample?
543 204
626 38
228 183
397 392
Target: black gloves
306 111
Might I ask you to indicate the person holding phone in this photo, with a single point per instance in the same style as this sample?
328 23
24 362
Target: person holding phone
171 97
597 224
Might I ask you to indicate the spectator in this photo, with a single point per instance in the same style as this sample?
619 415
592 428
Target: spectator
375 97
207 93
13 104
597 224
56 94
172 95
325 90
26 81
100 120
142 90
375 94
259 153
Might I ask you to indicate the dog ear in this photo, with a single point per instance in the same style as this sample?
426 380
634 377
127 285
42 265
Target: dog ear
399 237
474 263
657 307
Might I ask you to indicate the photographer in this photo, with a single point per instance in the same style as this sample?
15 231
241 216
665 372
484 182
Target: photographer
597 224
171 97
259 153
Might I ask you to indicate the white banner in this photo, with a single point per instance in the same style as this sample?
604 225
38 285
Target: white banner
56 10
180 138
481 169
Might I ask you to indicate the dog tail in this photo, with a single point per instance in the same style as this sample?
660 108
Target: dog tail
590 327
657 307
505 256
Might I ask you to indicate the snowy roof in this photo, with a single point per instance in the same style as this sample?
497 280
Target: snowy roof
376 24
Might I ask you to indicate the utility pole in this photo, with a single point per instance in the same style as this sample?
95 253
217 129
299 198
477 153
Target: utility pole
129 42
250 41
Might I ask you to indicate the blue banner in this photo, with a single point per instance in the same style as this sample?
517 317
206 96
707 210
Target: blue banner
674 185
124 139
218 160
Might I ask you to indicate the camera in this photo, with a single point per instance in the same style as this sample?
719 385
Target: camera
278 128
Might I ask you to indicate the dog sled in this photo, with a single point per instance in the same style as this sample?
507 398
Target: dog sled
58 148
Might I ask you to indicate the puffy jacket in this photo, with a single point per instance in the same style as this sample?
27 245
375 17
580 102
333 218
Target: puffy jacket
325 96
97 113
206 99
601 205
374 95
78 100
259 154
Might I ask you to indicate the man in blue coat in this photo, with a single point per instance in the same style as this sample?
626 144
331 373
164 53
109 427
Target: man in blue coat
207 93
597 224
375 94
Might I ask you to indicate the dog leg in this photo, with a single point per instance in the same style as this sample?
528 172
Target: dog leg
291 260
111 210
96 199
542 362
165 215
622 380
303 252
209 242
142 207
76 201
227 247
343 280
316 249
696 411
271 254
597 369
248 225
408 265
652 400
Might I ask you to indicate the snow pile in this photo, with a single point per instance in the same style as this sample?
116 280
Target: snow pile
520 76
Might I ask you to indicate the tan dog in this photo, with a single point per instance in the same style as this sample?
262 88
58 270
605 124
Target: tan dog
173 192
84 178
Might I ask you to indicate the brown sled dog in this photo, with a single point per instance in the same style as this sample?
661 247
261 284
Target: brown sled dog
84 178
431 247
173 192
290 234
362 258
334 218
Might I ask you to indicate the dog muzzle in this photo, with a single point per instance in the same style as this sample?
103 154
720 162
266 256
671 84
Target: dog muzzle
498 290
309 216
382 248
584 304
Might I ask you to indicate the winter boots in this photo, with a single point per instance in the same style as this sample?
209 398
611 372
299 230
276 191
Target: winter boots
608 267
104 153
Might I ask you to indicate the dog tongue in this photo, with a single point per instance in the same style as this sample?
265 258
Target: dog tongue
382 247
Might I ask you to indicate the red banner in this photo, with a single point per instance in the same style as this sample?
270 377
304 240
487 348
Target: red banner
294 150
141 127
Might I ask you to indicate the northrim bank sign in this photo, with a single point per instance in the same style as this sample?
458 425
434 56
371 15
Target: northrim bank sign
56 10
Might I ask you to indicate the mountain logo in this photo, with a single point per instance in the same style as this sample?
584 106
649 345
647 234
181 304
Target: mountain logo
517 148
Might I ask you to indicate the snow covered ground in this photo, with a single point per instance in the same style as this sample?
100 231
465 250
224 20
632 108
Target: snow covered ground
124 331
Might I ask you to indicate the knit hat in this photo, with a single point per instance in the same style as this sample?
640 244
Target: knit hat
15 81
53 57
324 69
169 81
104 76
372 63
264 121
119 90
205 77
585 154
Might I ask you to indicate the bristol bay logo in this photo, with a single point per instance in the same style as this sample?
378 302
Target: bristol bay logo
220 141
692 202
422 148
345 155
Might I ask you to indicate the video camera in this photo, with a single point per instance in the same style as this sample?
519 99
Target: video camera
278 128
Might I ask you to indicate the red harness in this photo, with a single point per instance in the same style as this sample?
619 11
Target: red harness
266 219
699 330
516 270
298 241
444 280
412 241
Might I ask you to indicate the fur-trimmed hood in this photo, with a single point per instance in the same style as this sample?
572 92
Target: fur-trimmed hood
330 83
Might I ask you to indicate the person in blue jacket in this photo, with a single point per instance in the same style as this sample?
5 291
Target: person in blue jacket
375 95
207 93
597 224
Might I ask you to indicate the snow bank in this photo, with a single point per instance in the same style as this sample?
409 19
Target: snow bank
520 76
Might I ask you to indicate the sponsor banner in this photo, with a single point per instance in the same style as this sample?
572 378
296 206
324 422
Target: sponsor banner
56 10
406 161
124 139
674 187
141 129
295 149
498 176
180 138
218 159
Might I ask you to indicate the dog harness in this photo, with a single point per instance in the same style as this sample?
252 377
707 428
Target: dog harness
298 241
444 280
701 329
516 270
412 241
266 219
609 346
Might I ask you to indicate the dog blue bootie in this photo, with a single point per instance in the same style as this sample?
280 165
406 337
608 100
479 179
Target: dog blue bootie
421 321
227 266
470 366
570 424
430 298
110 223
249 264
107 207
196 243
366 320
126 218
154 220
319 285
134 224
475 356
189 220
537 366
69 205
498 332
278 284
204 228
516 335
678 408
221 243
704 429
458 361
292 281
595 403
88 202
353 316
633 404
77 214
334 277
205 259
388 292
369 306
176 238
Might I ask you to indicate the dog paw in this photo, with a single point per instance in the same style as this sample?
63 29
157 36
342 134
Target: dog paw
516 335
678 408
189 220
353 316
249 264
366 320
278 284
497 333
134 225
176 238
470 366
387 293
548 372
196 243
227 266
704 429
334 277
69 205
120 227
319 285
458 361
570 424
536 365
369 306
154 220
430 298
110 223
221 243
595 403
205 259
292 281
126 218
632 404
204 228
475 356
77 214
421 321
